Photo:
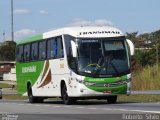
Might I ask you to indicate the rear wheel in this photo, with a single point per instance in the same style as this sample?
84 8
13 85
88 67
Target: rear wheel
31 98
39 99
67 100
112 99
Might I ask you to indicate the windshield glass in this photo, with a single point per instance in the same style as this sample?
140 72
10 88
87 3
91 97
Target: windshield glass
102 57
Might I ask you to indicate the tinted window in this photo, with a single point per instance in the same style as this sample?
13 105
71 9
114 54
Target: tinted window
51 53
27 52
39 50
34 51
42 50
60 53
55 48
20 53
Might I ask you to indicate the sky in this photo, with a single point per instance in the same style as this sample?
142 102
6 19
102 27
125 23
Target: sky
33 17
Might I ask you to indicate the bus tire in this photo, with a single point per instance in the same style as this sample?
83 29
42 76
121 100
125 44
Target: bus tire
112 99
31 98
39 99
66 99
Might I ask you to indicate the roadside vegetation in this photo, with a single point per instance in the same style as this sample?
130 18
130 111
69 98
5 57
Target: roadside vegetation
5 85
146 61
139 98
147 78
14 97
7 51
145 69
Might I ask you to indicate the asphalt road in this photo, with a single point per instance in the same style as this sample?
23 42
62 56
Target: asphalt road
82 110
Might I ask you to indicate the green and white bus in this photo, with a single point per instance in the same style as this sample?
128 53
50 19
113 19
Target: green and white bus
75 63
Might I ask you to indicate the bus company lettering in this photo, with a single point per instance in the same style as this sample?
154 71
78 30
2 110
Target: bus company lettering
99 32
29 69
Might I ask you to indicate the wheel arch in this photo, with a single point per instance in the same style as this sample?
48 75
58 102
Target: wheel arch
28 83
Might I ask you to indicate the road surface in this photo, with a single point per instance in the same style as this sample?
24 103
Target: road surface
82 110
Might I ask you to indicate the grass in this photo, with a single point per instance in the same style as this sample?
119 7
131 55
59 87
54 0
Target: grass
14 97
139 98
146 79
5 85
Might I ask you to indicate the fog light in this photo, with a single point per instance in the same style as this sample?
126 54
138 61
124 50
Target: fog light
81 90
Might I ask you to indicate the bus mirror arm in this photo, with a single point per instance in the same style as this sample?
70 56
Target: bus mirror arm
74 49
131 46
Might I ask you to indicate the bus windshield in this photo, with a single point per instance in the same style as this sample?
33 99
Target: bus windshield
102 57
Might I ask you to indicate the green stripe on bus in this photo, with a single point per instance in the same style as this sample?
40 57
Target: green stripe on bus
105 80
31 39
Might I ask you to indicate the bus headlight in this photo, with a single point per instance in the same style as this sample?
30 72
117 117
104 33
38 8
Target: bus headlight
84 82
88 83
80 81
126 81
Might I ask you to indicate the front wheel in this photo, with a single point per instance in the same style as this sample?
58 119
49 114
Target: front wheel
112 99
66 99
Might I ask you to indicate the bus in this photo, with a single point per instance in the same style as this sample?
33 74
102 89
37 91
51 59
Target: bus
74 63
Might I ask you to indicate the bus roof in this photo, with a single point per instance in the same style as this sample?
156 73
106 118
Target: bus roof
79 32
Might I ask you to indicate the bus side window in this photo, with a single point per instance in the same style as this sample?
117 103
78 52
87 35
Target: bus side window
50 48
55 48
20 53
60 52
27 52
42 50
34 51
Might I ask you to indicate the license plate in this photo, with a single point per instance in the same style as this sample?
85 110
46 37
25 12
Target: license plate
107 91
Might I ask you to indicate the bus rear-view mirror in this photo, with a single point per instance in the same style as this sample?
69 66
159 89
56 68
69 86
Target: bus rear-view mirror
131 46
74 49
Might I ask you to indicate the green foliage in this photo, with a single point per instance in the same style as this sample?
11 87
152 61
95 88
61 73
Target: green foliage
133 37
144 63
7 51
145 57
155 36
145 54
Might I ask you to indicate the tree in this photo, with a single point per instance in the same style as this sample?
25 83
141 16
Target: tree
155 36
145 57
156 40
133 37
7 51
